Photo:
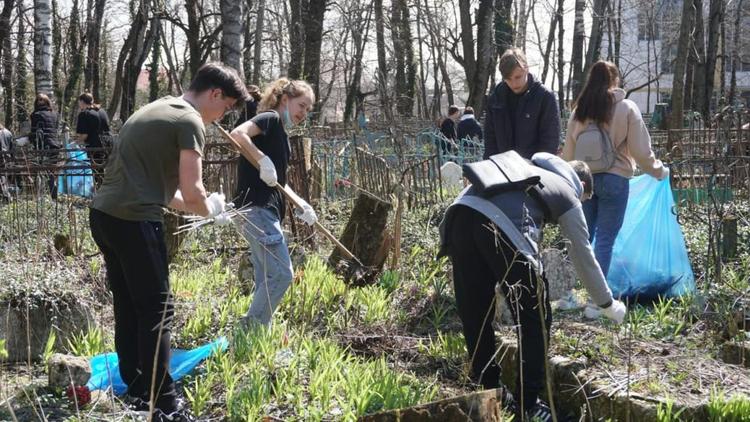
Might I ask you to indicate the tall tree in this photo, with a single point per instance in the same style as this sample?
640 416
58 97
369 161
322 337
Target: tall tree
7 59
19 93
382 71
296 38
313 20
698 53
153 67
477 65
42 44
576 54
232 32
259 22
595 39
92 74
735 53
133 54
76 60
406 72
57 48
360 30
715 18
678 83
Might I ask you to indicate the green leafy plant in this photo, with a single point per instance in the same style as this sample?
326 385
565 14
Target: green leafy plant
89 343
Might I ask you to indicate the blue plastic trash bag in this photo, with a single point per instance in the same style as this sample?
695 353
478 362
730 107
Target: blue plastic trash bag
649 258
105 369
80 181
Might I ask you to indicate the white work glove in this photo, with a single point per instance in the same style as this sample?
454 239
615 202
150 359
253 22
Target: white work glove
268 171
616 311
216 204
306 213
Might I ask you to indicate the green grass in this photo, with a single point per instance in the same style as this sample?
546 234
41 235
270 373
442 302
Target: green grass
736 409
89 343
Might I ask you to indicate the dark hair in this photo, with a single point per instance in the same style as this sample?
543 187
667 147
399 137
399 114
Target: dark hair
88 99
42 101
452 110
218 75
510 60
584 175
254 92
468 110
596 100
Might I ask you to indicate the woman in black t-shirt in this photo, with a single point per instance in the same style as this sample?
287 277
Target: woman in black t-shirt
87 127
284 104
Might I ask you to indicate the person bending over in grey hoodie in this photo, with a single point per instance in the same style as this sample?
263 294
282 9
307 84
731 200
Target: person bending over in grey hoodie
493 238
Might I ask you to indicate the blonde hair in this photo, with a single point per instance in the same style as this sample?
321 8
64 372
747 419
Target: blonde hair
274 91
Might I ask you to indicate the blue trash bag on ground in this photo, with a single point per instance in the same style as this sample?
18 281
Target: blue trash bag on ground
649 258
79 181
105 370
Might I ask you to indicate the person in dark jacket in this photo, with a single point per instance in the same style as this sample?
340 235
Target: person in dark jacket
88 126
493 239
448 129
44 135
468 127
522 114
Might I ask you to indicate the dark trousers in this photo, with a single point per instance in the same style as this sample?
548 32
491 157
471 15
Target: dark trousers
136 260
483 256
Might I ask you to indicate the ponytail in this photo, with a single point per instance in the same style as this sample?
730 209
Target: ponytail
274 91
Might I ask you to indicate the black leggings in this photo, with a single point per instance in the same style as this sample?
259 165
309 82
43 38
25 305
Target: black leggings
136 260
483 256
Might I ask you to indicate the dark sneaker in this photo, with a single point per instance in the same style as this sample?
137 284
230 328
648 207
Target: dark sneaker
539 413
135 403
507 401
176 416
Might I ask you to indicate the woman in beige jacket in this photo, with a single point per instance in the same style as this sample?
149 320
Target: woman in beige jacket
603 102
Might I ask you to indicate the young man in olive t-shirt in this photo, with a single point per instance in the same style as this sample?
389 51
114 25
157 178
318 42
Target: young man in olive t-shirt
155 164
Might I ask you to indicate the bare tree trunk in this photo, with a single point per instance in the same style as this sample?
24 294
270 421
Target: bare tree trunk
296 39
486 54
93 39
503 27
19 93
576 55
735 53
313 25
382 72
359 39
42 45
698 102
422 63
560 55
153 67
232 32
678 83
523 17
259 23
405 78
7 58
715 17
57 47
193 35
595 39
723 68
689 78
618 33
550 42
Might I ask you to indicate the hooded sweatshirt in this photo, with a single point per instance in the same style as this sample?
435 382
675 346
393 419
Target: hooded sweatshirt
629 135
521 217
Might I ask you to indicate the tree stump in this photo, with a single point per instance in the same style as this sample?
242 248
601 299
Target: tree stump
364 235
173 241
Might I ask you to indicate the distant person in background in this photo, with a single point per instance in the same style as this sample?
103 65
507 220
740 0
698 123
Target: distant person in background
44 135
251 105
87 127
448 129
6 149
468 127
522 114
601 101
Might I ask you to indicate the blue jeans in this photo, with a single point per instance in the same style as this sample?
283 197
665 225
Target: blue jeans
604 214
271 262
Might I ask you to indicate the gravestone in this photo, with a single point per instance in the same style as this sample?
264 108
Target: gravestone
451 176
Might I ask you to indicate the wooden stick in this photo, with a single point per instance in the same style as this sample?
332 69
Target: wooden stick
289 194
